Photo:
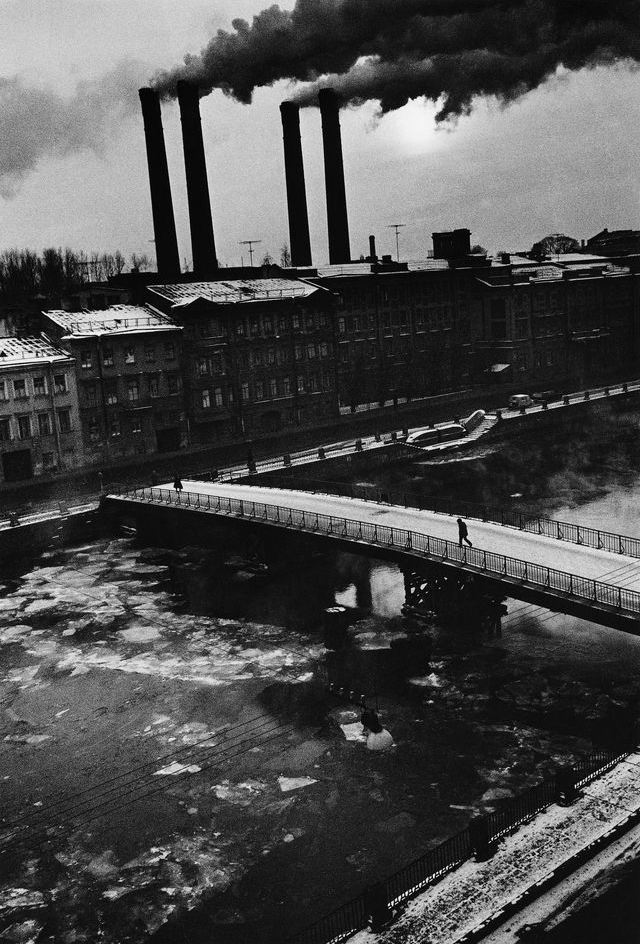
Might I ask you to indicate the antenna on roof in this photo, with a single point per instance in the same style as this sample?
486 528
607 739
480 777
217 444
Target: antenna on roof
250 243
396 226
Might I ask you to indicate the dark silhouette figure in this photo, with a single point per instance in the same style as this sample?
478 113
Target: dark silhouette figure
462 533
177 484
370 721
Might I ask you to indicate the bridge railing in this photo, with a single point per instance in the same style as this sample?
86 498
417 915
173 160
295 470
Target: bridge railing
412 543
507 517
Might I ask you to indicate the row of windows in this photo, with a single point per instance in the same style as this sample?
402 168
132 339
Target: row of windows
434 319
133 390
26 426
130 355
283 386
38 386
267 324
114 428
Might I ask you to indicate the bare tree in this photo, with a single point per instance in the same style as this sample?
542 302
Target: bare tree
285 256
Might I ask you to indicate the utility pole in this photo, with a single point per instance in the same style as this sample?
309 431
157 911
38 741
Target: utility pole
250 243
396 226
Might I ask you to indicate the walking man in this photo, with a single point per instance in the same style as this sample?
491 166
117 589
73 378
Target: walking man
462 533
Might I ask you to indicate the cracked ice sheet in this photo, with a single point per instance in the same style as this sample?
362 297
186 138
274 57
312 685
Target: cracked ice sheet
172 770
294 783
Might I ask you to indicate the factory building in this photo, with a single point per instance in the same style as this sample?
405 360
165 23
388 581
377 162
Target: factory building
39 425
259 355
128 364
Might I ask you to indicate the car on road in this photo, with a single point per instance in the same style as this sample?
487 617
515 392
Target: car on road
473 421
546 396
520 400
436 434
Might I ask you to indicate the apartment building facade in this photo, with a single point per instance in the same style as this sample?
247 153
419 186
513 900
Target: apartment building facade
259 355
39 416
128 364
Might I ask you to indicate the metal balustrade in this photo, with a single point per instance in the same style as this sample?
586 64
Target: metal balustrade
594 592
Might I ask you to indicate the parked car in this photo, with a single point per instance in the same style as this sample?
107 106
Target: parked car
546 396
472 422
519 400
436 434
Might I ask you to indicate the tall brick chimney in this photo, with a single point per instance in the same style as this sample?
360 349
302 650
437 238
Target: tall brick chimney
296 191
337 220
164 226
202 241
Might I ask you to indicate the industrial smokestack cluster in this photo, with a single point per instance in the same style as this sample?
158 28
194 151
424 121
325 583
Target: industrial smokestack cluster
202 239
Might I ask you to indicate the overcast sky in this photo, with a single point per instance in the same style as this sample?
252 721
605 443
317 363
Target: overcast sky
562 158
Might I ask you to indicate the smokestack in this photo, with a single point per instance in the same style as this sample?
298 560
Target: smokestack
164 225
202 242
337 221
296 192
372 249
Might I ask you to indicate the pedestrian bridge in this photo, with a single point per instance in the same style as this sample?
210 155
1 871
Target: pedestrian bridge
557 570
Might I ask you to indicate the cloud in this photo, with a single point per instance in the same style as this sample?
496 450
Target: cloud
38 123
449 51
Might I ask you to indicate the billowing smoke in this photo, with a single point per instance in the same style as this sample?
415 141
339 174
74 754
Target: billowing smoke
392 50
38 123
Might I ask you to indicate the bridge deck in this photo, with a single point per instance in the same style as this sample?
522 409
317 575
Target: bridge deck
591 563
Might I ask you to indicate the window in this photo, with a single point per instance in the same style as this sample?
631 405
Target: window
90 393
324 349
94 430
498 320
300 384
44 424
282 325
298 352
24 427
136 426
64 421
85 359
175 384
39 386
203 366
257 357
48 461
296 321
153 387
206 399
240 328
114 429
112 395
254 326
322 319
217 397
107 356
342 325
59 383
268 324
129 357
245 391
259 390
150 354
311 351
169 350
313 383
271 356
309 321
133 390
5 430
273 387
20 389
3 390
286 386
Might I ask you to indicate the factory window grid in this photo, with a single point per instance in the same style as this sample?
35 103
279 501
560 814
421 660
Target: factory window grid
40 386
24 427
20 389
44 424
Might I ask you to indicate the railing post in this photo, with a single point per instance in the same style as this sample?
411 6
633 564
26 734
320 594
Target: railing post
565 786
481 846
376 905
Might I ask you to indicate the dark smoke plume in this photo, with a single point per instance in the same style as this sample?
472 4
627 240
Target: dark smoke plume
38 123
394 50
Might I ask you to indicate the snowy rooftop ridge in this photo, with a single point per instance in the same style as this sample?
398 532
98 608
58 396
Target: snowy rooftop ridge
22 351
118 319
234 291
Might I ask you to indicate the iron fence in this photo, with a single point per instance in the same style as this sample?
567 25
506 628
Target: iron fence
592 766
520 809
435 863
508 518
336 926
411 543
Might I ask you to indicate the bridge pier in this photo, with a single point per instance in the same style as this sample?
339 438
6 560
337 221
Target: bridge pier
454 599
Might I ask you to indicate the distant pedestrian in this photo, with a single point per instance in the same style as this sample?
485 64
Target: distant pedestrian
462 533
177 484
